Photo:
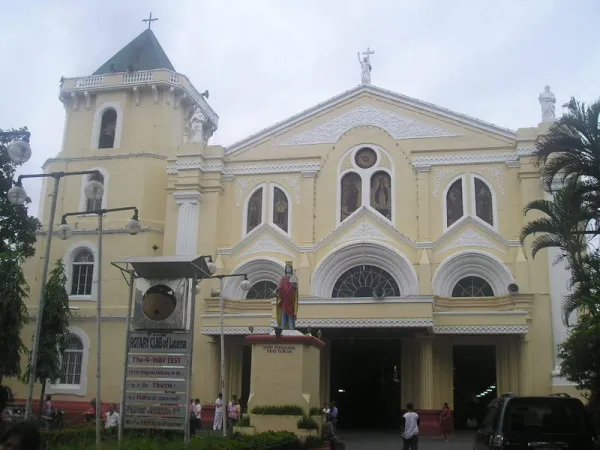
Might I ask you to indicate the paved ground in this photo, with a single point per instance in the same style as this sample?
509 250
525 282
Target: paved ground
384 441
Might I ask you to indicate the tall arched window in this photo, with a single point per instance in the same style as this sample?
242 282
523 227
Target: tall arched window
472 287
108 128
361 281
82 273
454 202
72 358
261 290
254 212
351 194
94 205
281 207
381 194
484 203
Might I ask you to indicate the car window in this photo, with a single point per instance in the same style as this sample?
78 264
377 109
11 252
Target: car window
555 416
490 415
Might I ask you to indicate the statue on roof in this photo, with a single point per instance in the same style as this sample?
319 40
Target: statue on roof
197 127
365 66
547 102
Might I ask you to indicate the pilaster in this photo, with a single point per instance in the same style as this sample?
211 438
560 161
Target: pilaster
526 366
424 274
188 218
307 206
423 202
426 357
502 367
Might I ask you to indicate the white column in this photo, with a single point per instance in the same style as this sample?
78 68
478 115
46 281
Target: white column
187 222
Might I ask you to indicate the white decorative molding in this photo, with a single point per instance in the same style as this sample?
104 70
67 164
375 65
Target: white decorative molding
449 160
250 169
213 331
525 150
498 175
482 313
366 300
238 316
480 329
399 127
263 268
188 219
136 95
154 94
294 182
363 323
471 263
74 101
364 229
265 244
103 158
81 388
437 179
88 99
470 238
242 185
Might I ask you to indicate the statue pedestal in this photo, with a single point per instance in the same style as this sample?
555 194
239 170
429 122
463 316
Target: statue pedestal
285 371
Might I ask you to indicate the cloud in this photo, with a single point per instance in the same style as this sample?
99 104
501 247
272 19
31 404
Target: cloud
264 61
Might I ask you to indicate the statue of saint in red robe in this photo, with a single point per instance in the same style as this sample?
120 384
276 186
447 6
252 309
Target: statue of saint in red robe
287 299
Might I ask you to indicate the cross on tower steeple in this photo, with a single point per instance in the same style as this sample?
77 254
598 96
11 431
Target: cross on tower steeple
149 20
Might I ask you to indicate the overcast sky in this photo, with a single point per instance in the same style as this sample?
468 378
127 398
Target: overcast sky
263 61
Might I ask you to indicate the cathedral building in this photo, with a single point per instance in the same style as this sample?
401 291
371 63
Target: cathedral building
401 220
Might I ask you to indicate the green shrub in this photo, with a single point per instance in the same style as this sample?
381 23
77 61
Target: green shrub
313 442
244 421
279 410
261 441
308 423
315 411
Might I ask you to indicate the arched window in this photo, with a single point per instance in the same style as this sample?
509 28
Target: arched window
351 194
381 194
281 207
484 206
94 205
454 202
472 287
254 212
108 128
361 281
82 273
261 290
72 359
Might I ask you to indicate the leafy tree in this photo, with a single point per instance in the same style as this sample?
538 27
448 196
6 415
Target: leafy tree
17 239
55 323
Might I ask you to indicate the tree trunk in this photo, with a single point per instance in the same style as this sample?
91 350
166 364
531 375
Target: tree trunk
41 406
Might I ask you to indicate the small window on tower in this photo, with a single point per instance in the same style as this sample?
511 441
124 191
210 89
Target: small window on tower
107 129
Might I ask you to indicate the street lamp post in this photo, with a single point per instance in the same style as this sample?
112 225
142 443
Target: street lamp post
19 151
17 196
245 287
94 191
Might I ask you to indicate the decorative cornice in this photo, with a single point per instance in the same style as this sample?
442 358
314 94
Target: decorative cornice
187 197
235 330
366 115
510 159
480 329
83 231
104 157
90 318
364 323
238 316
470 238
361 300
250 169
369 89
265 244
468 220
481 313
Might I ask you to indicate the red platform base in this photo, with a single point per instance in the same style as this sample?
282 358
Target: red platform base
430 422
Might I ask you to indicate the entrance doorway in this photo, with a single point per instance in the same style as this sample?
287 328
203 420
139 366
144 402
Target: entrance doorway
365 382
474 382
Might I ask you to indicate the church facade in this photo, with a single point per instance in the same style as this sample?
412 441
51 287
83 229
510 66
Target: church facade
401 219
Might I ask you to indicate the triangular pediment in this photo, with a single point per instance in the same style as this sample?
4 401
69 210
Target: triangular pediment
398 114
264 239
397 126
470 233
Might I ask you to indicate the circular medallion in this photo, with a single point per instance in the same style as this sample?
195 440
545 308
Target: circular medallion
365 158
159 302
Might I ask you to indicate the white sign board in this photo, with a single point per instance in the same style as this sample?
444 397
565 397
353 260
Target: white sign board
147 342
166 387
159 411
155 423
168 399
158 360
156 372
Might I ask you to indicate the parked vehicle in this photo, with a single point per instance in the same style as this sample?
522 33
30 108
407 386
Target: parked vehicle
556 422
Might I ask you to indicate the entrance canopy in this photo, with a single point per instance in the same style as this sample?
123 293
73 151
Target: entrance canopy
187 266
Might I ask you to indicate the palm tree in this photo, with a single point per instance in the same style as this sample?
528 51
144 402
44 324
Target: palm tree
571 149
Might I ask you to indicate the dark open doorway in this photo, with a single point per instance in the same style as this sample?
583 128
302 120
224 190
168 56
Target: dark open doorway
474 382
246 369
365 382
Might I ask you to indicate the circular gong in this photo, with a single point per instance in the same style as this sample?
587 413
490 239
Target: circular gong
159 302
365 158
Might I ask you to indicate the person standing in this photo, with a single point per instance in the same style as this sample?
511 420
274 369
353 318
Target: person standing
218 422
198 414
334 415
112 417
411 422
445 422
328 434
234 412
192 417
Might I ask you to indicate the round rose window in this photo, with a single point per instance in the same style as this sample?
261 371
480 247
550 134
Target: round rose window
365 158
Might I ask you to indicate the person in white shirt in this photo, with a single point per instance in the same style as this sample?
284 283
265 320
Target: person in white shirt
112 416
198 414
218 423
411 422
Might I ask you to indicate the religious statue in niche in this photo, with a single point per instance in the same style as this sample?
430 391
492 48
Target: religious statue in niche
197 127
454 203
351 194
381 194
280 209
547 102
483 202
254 214
287 298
